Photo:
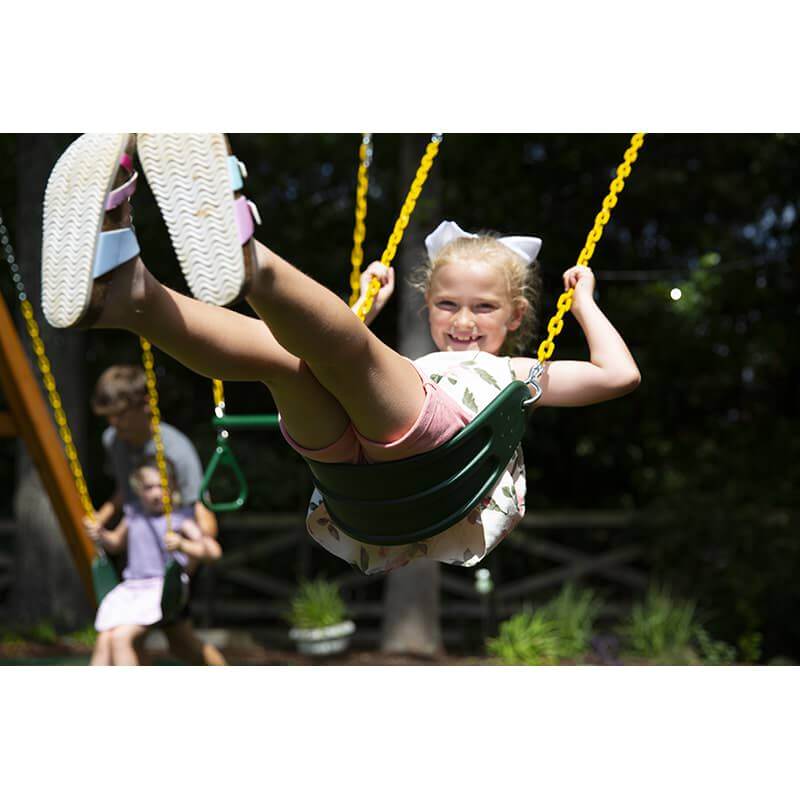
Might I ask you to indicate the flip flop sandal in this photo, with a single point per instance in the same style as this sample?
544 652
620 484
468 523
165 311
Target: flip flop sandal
197 183
76 251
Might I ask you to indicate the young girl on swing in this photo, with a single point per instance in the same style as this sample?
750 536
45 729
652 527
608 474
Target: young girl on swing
343 395
133 605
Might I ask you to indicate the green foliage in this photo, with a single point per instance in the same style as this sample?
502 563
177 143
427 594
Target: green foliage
11 638
750 647
560 630
712 652
661 629
85 637
528 638
42 633
574 612
316 605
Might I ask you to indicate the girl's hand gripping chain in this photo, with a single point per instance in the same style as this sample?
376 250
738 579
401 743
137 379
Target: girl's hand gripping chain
582 281
94 530
386 277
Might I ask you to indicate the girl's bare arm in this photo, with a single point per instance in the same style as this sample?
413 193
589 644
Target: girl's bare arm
112 541
191 541
610 371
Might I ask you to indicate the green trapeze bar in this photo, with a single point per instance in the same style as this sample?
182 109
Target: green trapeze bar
245 421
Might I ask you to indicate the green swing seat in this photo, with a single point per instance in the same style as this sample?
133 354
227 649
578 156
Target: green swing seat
402 502
173 596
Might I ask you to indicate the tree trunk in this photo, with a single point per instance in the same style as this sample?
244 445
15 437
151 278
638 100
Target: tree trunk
47 586
411 618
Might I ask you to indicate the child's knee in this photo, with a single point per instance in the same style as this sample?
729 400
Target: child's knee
123 636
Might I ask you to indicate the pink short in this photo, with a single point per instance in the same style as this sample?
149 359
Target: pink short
441 418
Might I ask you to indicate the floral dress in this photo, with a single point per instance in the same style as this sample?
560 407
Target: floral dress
473 379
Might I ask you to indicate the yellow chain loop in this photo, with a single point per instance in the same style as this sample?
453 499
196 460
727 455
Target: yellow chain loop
402 221
219 393
360 230
564 304
55 402
155 427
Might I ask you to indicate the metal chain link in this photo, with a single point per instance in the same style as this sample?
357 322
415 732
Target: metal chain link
402 221
360 230
48 379
155 427
564 304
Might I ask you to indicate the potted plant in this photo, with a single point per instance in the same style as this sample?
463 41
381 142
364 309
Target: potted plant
318 619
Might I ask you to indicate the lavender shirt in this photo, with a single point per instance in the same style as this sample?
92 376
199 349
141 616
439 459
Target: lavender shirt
147 554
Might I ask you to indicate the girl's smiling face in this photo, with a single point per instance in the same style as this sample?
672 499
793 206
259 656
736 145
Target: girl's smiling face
469 307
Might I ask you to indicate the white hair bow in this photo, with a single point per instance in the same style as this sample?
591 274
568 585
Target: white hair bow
526 247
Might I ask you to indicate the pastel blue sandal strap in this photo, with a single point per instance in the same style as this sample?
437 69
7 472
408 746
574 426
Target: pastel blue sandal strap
114 248
235 171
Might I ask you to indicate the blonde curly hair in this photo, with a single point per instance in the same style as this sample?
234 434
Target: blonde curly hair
523 281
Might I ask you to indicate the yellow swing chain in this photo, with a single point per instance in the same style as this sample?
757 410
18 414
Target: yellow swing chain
155 427
402 221
564 304
48 379
54 398
360 230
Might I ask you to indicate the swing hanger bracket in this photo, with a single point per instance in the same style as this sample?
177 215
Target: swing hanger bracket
533 381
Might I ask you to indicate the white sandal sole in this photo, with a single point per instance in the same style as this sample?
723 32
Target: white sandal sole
188 174
74 207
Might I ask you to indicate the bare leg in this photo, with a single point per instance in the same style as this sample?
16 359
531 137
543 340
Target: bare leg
101 655
220 343
123 644
380 391
321 363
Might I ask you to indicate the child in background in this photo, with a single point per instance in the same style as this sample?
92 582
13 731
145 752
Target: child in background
135 603
120 397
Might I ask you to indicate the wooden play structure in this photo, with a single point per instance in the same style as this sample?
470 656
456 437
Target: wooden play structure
29 419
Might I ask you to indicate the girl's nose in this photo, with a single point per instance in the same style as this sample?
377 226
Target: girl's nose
464 319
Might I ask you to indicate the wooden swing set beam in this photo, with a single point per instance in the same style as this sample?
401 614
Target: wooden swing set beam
30 419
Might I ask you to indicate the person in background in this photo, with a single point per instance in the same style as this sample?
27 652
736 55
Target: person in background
120 396
151 540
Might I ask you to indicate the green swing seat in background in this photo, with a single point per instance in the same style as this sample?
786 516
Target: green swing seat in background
104 576
401 502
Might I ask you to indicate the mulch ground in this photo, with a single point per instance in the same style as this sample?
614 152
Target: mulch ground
353 658
32 653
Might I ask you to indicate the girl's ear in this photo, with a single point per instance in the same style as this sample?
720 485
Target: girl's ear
518 314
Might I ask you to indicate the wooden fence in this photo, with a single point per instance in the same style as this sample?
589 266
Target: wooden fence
267 554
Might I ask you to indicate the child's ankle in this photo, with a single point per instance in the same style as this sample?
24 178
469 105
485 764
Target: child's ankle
125 295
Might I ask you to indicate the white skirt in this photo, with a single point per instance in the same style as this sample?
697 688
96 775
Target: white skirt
132 602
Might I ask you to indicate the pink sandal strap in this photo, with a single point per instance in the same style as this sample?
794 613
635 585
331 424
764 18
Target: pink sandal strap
119 195
245 212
